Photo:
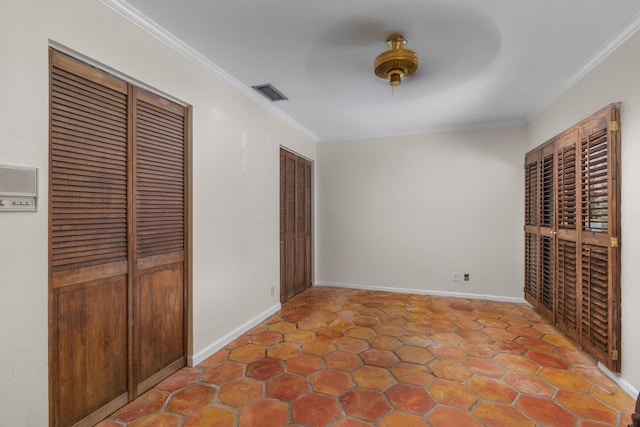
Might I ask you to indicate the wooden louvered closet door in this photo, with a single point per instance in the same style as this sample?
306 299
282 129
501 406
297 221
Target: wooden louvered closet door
577 257
116 294
159 234
295 224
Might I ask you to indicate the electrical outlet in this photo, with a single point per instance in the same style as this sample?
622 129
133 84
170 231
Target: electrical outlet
455 277
273 290
466 277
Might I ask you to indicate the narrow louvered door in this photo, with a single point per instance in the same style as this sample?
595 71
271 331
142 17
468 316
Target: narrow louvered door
295 224
531 173
159 237
600 231
547 232
88 263
567 216
117 241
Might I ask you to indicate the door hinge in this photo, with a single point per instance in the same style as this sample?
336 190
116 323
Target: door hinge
614 355
614 242
613 126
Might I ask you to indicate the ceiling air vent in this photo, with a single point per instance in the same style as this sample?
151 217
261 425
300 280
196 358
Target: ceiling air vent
270 92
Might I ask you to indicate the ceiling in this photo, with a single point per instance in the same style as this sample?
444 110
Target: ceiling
483 63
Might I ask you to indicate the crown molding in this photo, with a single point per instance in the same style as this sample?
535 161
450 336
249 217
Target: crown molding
138 18
592 63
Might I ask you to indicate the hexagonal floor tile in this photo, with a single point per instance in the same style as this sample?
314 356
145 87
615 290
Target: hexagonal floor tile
223 373
449 370
191 399
331 382
545 412
373 377
283 350
497 414
158 419
264 369
443 416
412 354
400 419
410 398
411 373
586 406
492 389
315 410
287 387
240 392
352 345
248 353
264 413
381 358
366 404
304 364
211 416
451 393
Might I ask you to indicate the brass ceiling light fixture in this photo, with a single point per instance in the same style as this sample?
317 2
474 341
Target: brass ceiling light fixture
397 62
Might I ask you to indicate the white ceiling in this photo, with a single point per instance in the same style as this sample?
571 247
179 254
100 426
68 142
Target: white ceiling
482 62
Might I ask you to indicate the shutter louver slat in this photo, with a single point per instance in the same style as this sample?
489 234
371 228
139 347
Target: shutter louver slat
300 196
567 291
283 168
531 194
89 173
567 197
595 298
547 272
531 266
546 213
594 182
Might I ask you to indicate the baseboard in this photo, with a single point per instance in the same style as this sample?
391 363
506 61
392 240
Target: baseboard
193 360
422 292
624 384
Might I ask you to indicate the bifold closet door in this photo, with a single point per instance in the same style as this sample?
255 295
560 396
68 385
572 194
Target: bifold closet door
295 224
159 253
89 256
117 241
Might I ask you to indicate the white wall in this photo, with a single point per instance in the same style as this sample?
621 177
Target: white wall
235 174
406 212
616 79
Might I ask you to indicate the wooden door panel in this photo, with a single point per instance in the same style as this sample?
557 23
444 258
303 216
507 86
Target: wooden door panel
91 327
159 217
160 333
295 225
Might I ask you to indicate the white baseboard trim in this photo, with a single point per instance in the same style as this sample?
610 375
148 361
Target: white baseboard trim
195 359
624 384
422 292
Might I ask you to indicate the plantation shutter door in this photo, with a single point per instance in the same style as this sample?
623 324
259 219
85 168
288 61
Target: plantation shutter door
567 167
600 231
531 173
295 224
159 235
572 264
88 302
546 242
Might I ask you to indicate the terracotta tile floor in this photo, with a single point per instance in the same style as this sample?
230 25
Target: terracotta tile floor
352 358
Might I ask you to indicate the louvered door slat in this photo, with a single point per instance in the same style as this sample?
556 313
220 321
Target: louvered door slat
531 194
548 270
70 190
153 177
546 211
